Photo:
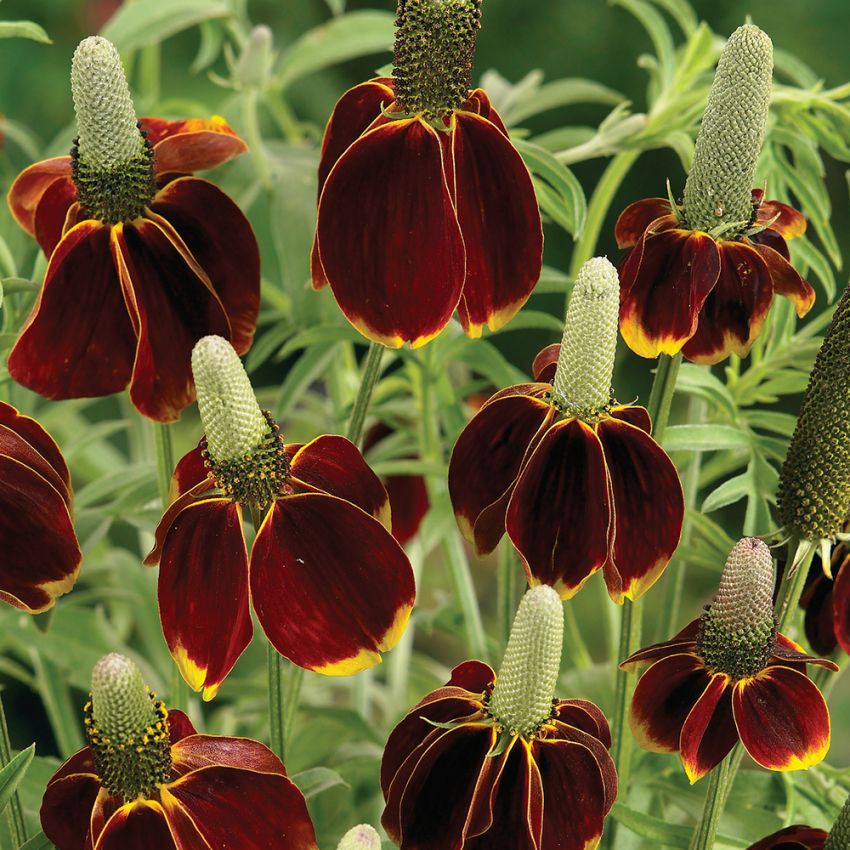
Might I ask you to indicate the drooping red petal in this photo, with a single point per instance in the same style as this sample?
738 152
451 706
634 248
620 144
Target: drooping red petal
193 144
634 415
734 311
389 239
137 826
172 307
782 719
648 508
479 103
179 726
797 837
709 732
203 592
790 222
500 222
841 606
636 217
222 241
545 363
685 641
190 471
664 282
334 465
586 716
475 676
791 654
51 212
242 808
197 751
199 492
487 458
786 280
41 558
559 514
663 699
67 804
817 601
331 586
31 184
78 340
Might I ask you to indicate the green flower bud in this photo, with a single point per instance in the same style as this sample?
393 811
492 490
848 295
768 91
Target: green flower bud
255 63
839 835
112 164
127 729
243 446
719 188
363 837
521 701
738 631
814 486
582 383
434 48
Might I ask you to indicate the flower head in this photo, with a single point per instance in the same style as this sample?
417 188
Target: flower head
731 676
144 259
41 557
504 763
700 277
147 779
574 477
330 586
419 183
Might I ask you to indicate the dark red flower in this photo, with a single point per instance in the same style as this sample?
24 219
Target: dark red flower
124 302
41 557
222 793
575 496
686 290
797 837
826 601
448 785
419 218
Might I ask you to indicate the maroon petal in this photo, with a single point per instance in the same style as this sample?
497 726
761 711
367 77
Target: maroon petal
203 593
409 501
196 751
663 699
709 732
786 280
222 242
51 212
500 221
789 223
389 239
634 415
137 826
685 641
841 607
335 466
789 653
648 508
31 184
479 103
200 492
190 471
331 586
67 805
782 719
487 458
78 340
559 513
546 363
586 716
193 144
173 307
733 313
664 282
797 837
179 726
817 601
636 218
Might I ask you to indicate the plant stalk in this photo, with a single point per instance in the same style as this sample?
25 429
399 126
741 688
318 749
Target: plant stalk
14 812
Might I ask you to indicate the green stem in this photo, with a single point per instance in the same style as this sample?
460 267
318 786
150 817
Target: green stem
800 555
164 461
15 812
506 590
290 707
150 67
276 710
284 116
398 664
371 373
661 394
251 122
719 786
597 208
576 648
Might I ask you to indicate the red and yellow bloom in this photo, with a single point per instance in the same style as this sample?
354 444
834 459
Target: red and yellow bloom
40 555
425 207
144 259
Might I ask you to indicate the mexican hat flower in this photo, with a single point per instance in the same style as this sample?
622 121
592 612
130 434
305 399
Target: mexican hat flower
800 837
148 781
574 477
331 587
41 557
143 258
700 277
494 762
826 601
731 676
425 207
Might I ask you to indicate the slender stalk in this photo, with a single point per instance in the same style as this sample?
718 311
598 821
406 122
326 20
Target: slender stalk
719 786
290 706
577 650
150 73
800 557
164 461
506 590
14 812
398 664
371 373
276 708
661 394
251 122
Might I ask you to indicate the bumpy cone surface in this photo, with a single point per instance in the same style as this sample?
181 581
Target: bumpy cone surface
522 698
738 631
363 837
839 835
582 383
719 188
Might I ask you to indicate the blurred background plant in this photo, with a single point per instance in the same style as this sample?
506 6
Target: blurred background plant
603 101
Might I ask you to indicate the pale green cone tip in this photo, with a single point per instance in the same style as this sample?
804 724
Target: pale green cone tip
582 383
839 835
233 422
738 631
362 837
525 686
106 120
718 190
121 705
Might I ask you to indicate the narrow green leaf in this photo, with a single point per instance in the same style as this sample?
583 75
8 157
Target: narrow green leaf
315 780
701 438
728 492
13 773
560 93
24 29
662 832
39 842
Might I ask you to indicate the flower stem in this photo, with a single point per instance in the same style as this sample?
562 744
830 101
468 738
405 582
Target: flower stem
290 707
661 394
506 590
164 460
371 373
276 710
15 812
719 786
800 555
251 122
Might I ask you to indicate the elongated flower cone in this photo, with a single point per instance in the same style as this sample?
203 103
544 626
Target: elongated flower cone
363 837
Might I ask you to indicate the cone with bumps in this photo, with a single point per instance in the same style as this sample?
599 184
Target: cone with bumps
362 837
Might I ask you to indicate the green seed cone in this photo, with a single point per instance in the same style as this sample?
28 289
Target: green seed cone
738 631
814 487
719 188
434 48
363 837
127 729
522 698
582 383
839 835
